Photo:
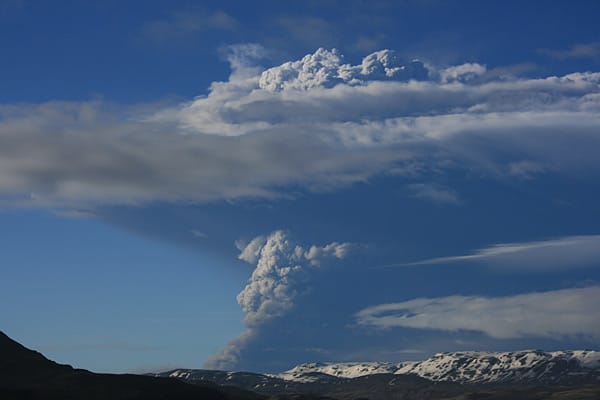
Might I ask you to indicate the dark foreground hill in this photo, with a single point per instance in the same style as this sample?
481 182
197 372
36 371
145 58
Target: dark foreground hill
26 374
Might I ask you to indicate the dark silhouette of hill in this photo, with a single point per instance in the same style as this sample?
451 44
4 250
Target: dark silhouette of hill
28 375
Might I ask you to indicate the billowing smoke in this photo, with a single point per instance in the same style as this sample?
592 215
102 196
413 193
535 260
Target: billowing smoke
282 274
325 69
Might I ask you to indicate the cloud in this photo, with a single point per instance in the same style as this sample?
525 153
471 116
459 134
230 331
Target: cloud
507 72
316 254
316 123
133 162
282 274
563 253
324 69
435 193
553 314
464 72
243 58
580 50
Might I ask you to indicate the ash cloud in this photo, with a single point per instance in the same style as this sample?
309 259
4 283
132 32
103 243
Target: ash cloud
283 274
316 123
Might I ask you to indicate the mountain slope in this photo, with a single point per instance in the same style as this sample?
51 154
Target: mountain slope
560 367
530 375
309 372
387 386
26 374
529 366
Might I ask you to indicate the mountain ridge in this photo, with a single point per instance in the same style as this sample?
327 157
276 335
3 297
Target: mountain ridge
27 375
566 367
524 366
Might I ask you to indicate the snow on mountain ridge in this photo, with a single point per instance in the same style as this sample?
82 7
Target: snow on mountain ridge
467 366
340 370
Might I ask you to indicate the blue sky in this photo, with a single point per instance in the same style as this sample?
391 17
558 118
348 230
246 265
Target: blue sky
252 185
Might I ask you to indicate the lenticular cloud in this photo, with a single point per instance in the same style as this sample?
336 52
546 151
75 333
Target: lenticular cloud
554 314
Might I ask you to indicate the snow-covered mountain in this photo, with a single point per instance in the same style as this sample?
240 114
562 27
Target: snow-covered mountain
529 366
513 367
310 372
528 374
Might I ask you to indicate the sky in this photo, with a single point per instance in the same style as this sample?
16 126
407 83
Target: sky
254 185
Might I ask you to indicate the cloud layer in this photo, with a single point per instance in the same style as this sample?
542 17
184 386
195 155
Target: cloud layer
316 123
553 314
562 253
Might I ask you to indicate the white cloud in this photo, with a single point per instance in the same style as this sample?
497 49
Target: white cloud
316 254
325 69
321 89
243 59
562 253
317 123
462 73
554 314
282 274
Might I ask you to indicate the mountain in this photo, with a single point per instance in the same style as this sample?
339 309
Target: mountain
310 372
559 367
27 374
529 366
460 375
530 375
